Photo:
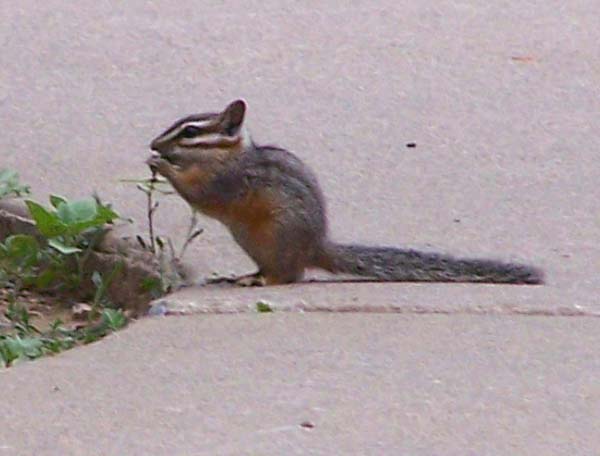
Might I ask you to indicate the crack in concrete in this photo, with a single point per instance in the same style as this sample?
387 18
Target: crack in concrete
168 308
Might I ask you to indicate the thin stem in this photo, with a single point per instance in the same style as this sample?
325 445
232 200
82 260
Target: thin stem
93 241
190 233
150 209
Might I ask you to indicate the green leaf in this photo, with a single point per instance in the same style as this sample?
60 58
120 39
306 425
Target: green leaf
263 307
114 319
22 249
9 184
4 278
74 212
153 286
7 354
56 325
30 346
106 214
83 214
27 347
103 283
47 223
149 283
56 200
45 278
63 248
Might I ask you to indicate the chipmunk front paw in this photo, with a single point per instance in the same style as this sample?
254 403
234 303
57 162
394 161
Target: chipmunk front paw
158 164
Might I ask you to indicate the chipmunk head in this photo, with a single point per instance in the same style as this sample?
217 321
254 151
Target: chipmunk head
206 134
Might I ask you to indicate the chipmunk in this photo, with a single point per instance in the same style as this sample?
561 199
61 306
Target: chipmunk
274 208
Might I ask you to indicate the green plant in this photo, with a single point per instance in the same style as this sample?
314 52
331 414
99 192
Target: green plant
69 232
57 259
27 342
263 307
19 316
20 256
150 187
110 320
169 260
68 224
101 284
10 185
72 229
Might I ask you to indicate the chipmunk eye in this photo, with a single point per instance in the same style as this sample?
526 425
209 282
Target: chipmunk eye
190 132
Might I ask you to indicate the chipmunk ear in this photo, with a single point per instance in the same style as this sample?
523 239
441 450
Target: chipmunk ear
233 116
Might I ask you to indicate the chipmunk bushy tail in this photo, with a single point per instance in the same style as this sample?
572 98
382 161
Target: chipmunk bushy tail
404 265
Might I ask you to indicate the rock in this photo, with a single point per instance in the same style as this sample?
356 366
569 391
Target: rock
81 311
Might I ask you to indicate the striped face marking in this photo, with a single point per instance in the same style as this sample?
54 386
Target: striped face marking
188 128
202 131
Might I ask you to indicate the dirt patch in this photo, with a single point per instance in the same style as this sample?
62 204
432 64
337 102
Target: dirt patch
44 310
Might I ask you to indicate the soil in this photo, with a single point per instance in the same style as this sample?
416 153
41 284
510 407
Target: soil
43 309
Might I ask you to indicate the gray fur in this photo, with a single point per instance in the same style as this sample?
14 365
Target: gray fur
393 264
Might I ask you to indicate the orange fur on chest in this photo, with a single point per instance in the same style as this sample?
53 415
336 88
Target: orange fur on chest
252 219
254 209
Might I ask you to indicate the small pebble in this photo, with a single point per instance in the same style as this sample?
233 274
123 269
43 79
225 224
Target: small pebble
157 309
81 311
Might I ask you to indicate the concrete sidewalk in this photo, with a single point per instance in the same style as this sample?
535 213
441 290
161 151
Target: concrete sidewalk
314 384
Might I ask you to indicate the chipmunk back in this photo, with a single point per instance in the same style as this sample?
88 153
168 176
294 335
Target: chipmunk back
274 208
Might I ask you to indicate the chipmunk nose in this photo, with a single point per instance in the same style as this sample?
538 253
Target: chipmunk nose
158 146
